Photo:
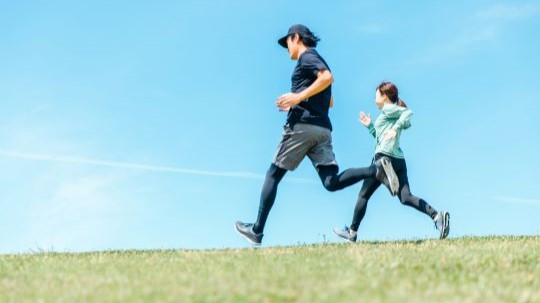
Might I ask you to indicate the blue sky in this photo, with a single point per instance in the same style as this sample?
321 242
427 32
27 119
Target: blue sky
139 125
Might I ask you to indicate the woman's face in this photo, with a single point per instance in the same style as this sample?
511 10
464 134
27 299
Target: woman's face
380 99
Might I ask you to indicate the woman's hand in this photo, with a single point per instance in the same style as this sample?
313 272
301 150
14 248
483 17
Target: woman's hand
365 119
389 135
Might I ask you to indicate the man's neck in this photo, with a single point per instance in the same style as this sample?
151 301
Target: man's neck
301 50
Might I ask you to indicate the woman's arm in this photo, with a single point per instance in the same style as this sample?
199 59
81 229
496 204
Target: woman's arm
366 121
404 120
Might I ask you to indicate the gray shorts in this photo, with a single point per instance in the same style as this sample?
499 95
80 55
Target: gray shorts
301 140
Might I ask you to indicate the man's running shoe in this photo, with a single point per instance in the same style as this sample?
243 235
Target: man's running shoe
246 231
345 233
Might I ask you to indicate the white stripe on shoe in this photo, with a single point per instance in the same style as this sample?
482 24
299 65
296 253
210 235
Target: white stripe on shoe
446 225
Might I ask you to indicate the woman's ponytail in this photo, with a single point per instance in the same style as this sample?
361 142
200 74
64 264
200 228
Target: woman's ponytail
401 103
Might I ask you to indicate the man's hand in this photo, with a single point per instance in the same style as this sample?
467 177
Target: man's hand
288 100
365 119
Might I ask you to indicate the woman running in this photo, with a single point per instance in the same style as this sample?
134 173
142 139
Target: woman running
394 117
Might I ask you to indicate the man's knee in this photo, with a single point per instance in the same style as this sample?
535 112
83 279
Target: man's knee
331 186
275 172
328 175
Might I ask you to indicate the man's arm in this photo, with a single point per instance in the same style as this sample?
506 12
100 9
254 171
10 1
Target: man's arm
288 100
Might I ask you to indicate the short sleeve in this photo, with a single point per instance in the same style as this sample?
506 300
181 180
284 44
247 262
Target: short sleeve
312 64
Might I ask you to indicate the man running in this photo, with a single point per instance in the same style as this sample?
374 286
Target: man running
307 131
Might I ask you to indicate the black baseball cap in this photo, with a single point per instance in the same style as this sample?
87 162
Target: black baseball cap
300 29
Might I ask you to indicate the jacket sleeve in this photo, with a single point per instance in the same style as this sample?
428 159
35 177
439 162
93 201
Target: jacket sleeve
404 120
371 129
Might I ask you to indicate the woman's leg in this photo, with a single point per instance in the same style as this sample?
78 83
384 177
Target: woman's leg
368 188
404 192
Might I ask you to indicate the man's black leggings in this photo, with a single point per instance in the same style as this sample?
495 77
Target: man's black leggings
329 178
404 193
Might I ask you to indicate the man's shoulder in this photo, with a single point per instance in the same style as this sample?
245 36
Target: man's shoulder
312 57
309 54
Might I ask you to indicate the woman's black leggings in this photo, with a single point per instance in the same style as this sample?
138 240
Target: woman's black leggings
404 194
329 178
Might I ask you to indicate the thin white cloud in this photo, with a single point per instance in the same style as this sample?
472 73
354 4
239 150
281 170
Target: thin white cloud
463 43
86 205
370 28
478 31
88 192
518 200
505 11
137 166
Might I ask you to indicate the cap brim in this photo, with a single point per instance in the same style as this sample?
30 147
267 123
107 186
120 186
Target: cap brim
283 41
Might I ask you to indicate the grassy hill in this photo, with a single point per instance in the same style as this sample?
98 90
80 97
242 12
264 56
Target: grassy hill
471 269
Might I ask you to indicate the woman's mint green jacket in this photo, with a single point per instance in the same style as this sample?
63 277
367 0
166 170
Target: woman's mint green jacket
392 117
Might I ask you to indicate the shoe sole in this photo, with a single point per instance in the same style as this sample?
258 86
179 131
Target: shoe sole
246 237
391 176
446 225
346 239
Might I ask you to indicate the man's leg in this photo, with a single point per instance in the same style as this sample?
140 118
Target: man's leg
253 232
294 145
268 195
332 181
323 159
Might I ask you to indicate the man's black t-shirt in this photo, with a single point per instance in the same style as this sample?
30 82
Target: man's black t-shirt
313 110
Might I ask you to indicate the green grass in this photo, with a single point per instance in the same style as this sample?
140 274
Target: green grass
471 269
